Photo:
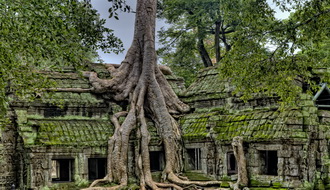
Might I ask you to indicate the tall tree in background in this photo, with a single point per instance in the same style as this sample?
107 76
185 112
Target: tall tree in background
288 60
45 35
209 28
259 52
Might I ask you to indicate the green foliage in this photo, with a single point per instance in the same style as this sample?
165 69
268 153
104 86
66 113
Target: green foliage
80 182
196 21
118 5
184 63
281 70
46 35
63 186
258 52
200 17
197 176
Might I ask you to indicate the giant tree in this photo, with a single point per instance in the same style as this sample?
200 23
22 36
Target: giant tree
140 81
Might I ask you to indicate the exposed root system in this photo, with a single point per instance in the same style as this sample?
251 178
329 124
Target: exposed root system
140 81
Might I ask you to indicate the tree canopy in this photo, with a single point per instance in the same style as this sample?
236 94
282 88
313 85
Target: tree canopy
257 51
282 67
38 35
209 29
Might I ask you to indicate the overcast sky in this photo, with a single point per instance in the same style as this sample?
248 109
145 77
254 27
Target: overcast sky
124 27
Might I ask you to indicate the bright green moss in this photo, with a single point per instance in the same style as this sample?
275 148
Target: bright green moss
277 184
298 135
73 132
29 138
21 116
65 186
197 176
319 185
267 188
311 121
66 118
156 176
257 183
225 184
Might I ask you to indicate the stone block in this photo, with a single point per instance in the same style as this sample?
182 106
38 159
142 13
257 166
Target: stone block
260 182
304 96
308 103
21 116
284 153
254 170
294 171
324 113
311 121
294 121
325 120
321 135
280 171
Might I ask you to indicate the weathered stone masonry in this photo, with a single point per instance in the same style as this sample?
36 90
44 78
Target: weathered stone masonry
49 143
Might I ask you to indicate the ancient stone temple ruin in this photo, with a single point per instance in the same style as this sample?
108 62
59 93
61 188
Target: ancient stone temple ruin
60 140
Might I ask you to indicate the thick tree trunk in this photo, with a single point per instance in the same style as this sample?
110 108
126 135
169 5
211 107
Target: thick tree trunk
224 38
217 41
204 54
140 80
242 180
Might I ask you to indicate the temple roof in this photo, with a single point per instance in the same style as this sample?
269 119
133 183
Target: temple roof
83 118
71 117
219 114
73 132
253 126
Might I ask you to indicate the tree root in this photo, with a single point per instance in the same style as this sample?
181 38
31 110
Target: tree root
243 179
176 180
104 180
142 83
105 188
176 183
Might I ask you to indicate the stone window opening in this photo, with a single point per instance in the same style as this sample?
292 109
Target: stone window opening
231 163
194 158
97 168
62 170
156 161
268 161
322 98
54 111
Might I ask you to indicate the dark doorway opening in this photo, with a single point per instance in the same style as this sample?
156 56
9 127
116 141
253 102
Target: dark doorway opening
97 168
54 111
194 158
62 169
269 161
156 160
231 163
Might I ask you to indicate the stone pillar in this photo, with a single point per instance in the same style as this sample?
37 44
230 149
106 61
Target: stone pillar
7 157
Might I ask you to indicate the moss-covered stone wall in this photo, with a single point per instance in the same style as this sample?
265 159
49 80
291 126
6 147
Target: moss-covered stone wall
298 135
76 125
71 123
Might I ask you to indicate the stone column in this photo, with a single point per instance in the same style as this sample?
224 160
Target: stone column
7 157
